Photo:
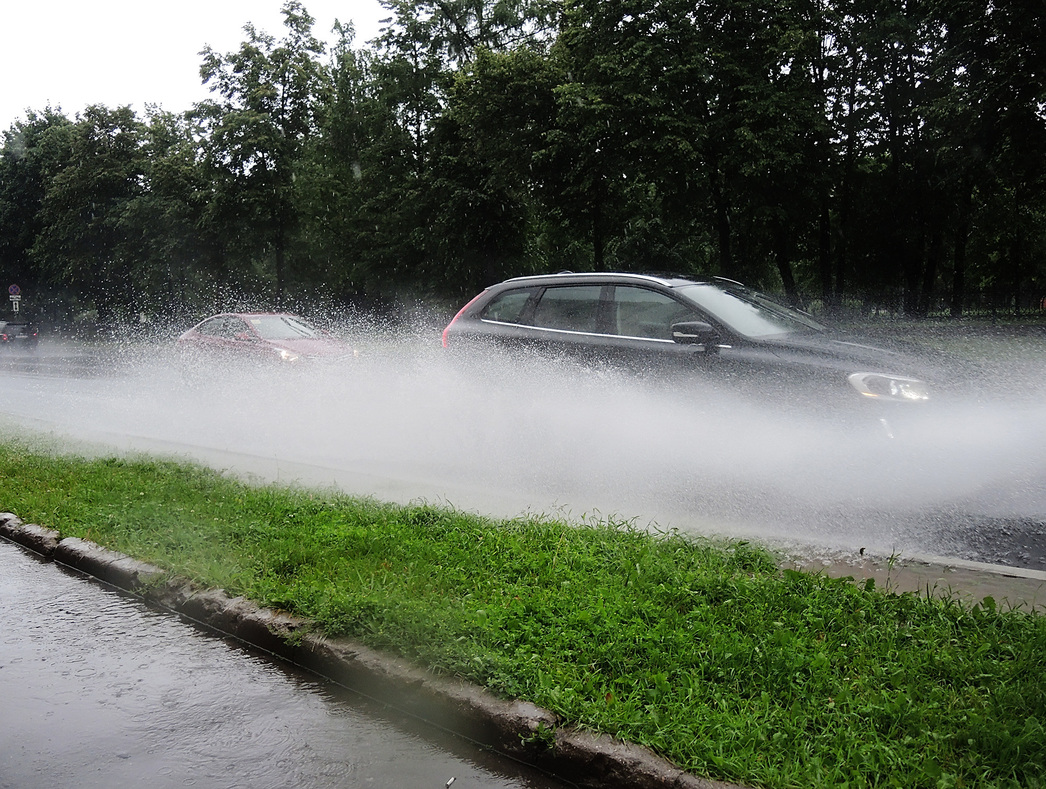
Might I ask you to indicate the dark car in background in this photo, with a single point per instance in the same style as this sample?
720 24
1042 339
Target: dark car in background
237 340
18 334
714 331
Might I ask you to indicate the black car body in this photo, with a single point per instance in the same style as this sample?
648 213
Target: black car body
18 334
717 332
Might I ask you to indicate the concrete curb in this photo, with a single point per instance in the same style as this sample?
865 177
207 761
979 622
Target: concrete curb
515 728
938 576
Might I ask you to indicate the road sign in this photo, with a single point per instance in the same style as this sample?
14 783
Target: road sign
14 290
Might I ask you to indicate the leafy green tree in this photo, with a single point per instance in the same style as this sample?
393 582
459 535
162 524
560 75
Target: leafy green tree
693 125
885 206
412 76
484 208
34 151
624 138
885 149
84 235
463 28
439 214
268 95
173 244
993 133
350 180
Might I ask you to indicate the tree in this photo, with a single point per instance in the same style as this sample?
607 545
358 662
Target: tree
877 148
685 127
174 246
485 210
351 180
256 130
34 152
993 135
83 240
439 212
464 28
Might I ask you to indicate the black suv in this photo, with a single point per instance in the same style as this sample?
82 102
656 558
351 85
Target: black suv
18 334
716 330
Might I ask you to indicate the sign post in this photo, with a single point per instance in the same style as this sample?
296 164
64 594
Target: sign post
16 296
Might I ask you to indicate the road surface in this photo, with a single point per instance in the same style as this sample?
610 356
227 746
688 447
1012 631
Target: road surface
401 425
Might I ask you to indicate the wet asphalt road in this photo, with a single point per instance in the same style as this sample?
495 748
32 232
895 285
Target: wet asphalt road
99 691
401 426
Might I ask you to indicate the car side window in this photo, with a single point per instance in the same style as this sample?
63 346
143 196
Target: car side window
639 312
569 308
508 307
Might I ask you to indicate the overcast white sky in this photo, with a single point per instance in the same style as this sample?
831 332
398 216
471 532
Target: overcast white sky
72 53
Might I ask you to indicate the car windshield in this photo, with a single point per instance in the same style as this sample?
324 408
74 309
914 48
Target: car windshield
748 312
282 327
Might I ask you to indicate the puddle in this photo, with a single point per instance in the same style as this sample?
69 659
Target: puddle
101 691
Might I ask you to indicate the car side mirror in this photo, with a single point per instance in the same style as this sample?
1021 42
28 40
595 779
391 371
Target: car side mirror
694 333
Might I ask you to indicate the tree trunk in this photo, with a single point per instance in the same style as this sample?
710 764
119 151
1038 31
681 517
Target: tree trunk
962 234
281 261
598 239
1016 258
933 260
784 265
722 222
824 253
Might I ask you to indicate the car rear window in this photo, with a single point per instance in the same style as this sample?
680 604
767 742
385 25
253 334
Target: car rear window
569 308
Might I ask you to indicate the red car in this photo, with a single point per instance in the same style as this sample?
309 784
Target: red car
257 338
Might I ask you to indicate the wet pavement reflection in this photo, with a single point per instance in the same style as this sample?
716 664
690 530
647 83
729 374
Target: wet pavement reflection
99 690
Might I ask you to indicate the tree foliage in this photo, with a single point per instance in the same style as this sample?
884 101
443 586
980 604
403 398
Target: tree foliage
269 93
873 153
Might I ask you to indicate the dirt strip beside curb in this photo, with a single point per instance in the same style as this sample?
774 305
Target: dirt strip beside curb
516 728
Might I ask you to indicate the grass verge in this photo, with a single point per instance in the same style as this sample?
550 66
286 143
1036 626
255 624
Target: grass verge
706 652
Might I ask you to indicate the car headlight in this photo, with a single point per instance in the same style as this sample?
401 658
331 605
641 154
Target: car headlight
286 356
890 387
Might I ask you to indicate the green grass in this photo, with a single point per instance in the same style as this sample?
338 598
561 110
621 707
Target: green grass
706 652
